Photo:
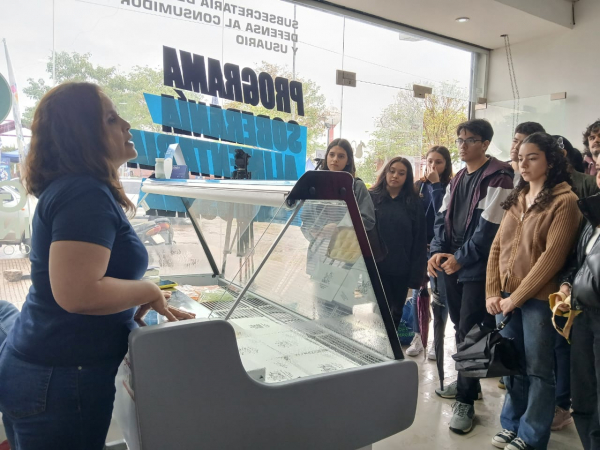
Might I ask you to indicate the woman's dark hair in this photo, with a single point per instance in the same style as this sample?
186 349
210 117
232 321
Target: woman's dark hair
558 171
407 193
68 136
343 143
574 156
447 174
479 127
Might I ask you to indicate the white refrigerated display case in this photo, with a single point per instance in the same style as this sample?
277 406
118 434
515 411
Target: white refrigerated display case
293 345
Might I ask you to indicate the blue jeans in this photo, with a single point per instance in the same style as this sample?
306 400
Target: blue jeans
55 407
8 315
529 404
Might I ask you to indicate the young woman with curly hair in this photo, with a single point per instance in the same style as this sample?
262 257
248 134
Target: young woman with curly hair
537 232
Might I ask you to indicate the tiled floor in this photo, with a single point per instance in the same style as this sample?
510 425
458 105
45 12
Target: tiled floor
430 429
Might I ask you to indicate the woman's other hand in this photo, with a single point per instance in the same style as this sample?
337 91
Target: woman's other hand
159 304
492 305
507 306
180 314
565 289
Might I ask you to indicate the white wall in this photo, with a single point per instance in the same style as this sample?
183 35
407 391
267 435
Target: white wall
569 61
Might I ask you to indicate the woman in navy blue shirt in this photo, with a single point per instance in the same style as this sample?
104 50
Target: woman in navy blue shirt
431 189
59 361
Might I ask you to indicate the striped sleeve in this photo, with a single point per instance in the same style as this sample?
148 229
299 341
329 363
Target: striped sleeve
492 211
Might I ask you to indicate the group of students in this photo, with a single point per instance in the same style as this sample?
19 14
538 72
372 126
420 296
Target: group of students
502 238
517 249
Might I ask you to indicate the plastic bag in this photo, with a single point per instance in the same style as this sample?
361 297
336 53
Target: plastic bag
124 408
405 329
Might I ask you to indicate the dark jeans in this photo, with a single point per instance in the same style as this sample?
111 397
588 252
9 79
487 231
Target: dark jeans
530 398
55 407
562 368
585 377
466 306
8 315
396 290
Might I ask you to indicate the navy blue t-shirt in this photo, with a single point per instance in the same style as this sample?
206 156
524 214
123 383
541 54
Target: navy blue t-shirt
76 208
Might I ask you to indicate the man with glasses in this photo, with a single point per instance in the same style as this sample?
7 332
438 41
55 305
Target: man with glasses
465 228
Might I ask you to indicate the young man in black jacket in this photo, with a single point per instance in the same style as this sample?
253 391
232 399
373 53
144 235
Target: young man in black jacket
465 228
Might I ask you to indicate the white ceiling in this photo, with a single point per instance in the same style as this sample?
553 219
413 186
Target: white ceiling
489 18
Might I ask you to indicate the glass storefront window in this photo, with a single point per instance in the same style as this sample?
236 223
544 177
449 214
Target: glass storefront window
119 44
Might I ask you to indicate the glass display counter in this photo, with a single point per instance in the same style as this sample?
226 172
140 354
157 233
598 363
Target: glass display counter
293 345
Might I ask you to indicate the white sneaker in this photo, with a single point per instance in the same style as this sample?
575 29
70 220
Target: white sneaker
416 346
431 353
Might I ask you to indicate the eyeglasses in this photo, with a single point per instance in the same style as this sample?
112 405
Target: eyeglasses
468 141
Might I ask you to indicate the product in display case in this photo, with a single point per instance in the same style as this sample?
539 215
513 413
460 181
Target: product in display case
293 345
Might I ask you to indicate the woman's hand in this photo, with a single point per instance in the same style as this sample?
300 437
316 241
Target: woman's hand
180 314
158 304
432 175
492 305
507 306
176 313
565 289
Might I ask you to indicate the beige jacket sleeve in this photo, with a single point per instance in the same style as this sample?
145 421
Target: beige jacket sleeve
561 236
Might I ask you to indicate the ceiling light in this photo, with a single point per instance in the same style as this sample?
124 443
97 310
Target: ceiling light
462 19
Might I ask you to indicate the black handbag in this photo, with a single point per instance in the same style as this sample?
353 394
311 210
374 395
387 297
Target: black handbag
486 354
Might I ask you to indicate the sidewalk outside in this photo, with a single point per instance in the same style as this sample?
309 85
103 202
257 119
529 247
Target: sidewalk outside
16 291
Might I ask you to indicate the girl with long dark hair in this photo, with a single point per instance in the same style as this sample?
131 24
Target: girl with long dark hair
537 232
340 157
431 189
401 224
318 221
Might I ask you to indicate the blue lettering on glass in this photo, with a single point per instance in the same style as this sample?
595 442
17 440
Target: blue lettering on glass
280 155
